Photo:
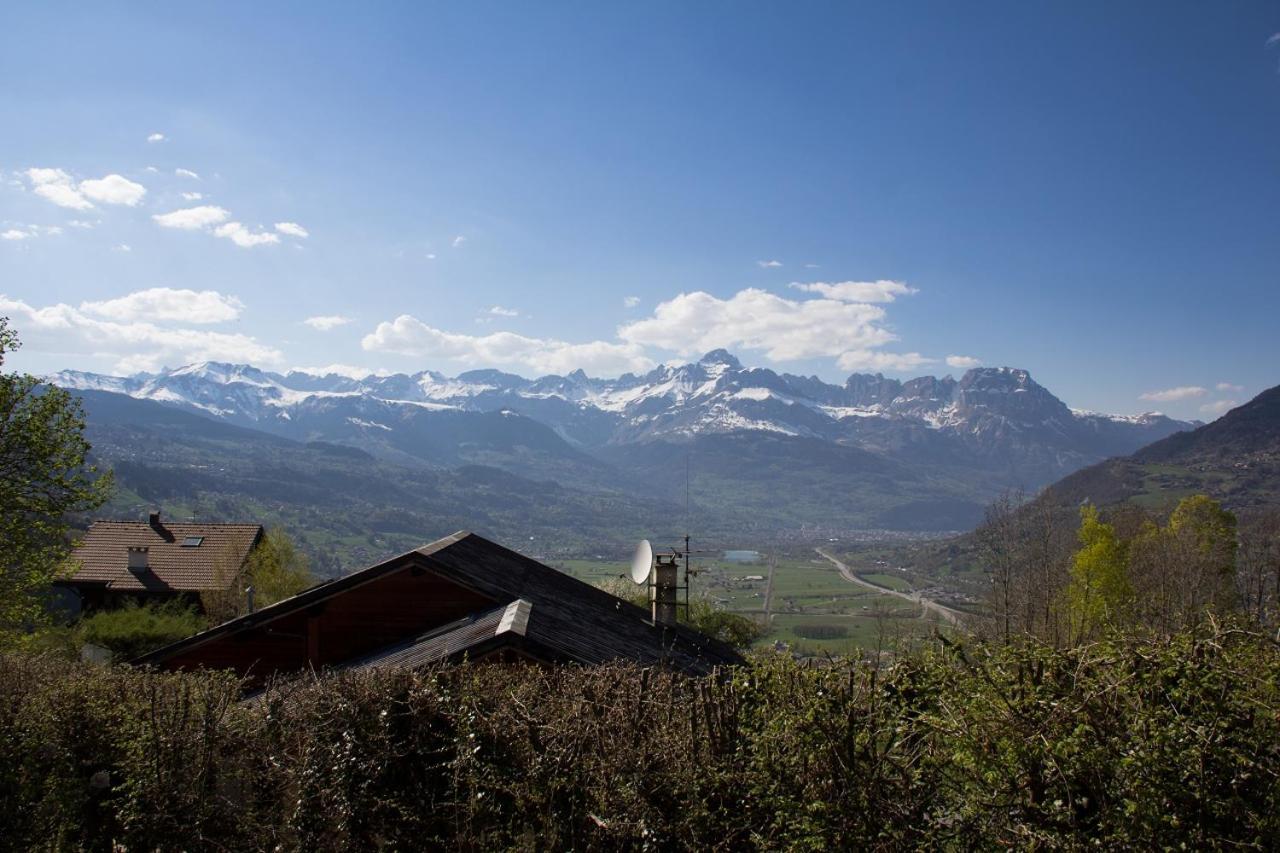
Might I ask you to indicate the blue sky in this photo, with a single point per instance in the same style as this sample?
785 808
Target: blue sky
1089 191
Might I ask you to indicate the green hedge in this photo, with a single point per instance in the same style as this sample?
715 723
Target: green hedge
133 630
1122 744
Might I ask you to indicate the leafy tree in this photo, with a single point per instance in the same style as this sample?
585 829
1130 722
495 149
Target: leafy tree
1210 528
277 569
1186 567
1099 593
732 628
44 475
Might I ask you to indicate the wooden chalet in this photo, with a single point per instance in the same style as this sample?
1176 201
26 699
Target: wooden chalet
462 596
157 560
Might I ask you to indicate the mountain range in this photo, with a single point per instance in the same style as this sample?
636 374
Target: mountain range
709 443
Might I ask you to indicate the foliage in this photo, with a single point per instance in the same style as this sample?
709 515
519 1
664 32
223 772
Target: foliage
1099 593
1120 744
1185 568
1133 571
135 629
732 628
275 569
44 475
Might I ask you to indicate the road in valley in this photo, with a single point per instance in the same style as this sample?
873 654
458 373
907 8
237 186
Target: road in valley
946 613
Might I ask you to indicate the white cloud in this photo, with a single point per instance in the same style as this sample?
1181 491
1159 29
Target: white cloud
29 232
113 189
784 329
813 266
768 264
152 169
499 311
293 229
877 360
1274 39
630 301
1229 386
82 223
1218 407
431 256
186 173
193 196
58 187
857 291
123 247
165 303
243 237
458 241
326 322
134 346
1173 395
192 218
156 137
963 362
408 335
347 370
208 216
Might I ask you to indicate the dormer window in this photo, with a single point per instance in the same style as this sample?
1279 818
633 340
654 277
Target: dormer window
137 559
192 541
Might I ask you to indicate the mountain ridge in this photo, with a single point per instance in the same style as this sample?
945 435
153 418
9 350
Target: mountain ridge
721 394
925 453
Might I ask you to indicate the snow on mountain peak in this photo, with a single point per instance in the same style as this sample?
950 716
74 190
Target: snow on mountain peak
715 394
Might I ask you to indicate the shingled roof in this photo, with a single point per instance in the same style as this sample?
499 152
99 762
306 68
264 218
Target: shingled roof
520 604
171 565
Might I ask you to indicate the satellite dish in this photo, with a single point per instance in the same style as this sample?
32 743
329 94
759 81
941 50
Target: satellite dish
642 562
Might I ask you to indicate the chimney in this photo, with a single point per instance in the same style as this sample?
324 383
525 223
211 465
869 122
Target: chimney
154 520
665 583
138 559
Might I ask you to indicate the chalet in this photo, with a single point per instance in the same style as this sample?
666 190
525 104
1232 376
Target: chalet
157 560
461 596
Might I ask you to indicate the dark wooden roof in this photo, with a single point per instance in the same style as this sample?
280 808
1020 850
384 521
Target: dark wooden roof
103 555
565 619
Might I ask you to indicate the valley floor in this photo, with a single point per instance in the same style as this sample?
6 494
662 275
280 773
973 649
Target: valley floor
814 600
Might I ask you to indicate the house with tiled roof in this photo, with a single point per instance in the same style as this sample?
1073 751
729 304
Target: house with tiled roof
459 597
157 560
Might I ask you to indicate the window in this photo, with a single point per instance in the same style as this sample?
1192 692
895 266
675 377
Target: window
192 541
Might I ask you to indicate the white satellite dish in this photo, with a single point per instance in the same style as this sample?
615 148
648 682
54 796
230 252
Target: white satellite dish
642 562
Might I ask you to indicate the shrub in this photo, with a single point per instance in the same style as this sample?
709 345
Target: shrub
136 629
1122 744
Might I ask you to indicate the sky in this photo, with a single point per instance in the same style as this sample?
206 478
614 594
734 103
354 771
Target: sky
1090 191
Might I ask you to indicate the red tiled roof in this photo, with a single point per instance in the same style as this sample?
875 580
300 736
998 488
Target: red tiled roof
104 555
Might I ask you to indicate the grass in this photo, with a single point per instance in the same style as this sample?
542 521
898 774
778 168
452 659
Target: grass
894 582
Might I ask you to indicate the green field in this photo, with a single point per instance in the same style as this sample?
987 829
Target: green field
886 580
813 609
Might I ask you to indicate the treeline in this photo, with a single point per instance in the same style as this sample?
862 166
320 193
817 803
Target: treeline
1070 576
1122 743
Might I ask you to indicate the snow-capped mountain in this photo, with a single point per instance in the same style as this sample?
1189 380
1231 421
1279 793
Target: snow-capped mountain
994 417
